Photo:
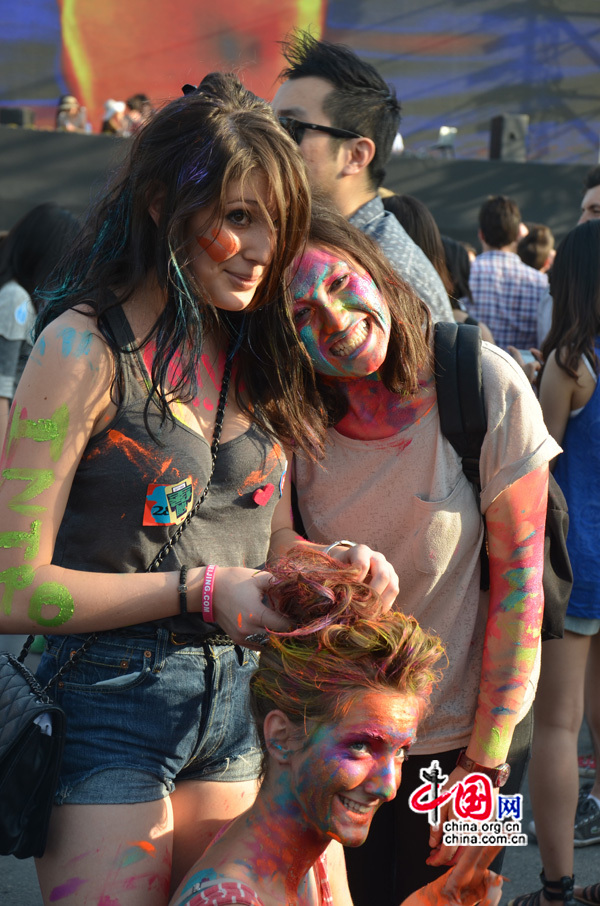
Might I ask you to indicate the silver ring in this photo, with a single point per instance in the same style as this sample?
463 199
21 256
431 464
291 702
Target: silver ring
257 638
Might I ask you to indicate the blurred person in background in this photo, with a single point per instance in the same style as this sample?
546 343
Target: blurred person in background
71 116
115 120
536 249
28 255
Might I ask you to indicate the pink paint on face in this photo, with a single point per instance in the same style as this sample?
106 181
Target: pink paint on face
347 769
341 316
222 245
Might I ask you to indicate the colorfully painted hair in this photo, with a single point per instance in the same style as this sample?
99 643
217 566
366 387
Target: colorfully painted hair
342 644
408 348
575 289
182 162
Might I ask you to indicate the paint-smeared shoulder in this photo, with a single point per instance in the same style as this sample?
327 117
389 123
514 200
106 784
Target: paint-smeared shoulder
73 341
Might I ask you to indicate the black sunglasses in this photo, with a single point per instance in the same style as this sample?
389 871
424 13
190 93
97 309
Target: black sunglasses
296 128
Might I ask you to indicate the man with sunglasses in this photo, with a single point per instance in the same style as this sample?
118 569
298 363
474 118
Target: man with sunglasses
345 117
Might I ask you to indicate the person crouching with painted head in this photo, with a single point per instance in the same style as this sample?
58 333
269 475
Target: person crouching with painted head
336 700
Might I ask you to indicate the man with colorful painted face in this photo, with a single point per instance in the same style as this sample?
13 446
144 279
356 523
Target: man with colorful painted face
345 117
390 473
336 700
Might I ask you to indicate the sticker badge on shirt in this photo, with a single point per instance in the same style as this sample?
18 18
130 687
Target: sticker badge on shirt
168 504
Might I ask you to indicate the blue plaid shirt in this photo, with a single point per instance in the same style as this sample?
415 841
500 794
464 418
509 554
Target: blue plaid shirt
506 296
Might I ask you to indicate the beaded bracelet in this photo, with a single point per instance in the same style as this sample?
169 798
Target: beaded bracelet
182 589
339 544
207 594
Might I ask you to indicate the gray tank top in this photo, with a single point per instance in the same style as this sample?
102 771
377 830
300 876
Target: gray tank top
129 492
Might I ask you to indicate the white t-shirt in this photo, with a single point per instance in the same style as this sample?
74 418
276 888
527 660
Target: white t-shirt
407 497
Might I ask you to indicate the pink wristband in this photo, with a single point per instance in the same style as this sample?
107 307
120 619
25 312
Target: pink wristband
207 594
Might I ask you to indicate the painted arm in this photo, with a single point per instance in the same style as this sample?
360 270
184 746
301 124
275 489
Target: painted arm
62 399
373 566
515 525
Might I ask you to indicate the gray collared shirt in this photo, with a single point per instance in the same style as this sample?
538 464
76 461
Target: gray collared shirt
407 258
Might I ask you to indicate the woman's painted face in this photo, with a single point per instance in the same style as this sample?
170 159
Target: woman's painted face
347 769
231 261
341 317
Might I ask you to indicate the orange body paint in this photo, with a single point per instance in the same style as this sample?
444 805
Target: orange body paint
146 846
137 455
259 476
222 246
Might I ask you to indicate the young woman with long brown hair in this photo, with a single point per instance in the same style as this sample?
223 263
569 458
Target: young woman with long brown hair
118 442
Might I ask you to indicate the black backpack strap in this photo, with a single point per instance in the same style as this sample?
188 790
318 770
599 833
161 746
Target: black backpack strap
459 389
461 409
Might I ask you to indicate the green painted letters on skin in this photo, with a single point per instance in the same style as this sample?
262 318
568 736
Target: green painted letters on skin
29 540
53 429
40 479
51 594
13 579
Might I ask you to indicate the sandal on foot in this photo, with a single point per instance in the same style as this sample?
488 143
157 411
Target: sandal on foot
560 891
590 895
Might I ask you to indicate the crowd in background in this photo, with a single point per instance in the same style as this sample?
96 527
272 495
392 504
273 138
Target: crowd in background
122 118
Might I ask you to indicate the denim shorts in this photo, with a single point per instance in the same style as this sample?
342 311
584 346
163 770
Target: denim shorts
582 625
143 713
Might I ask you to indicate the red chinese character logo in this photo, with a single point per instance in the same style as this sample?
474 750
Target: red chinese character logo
473 798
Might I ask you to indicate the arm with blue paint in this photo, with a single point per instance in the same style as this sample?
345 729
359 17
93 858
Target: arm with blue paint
515 524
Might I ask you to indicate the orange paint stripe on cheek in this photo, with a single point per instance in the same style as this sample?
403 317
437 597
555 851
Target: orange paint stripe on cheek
221 247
